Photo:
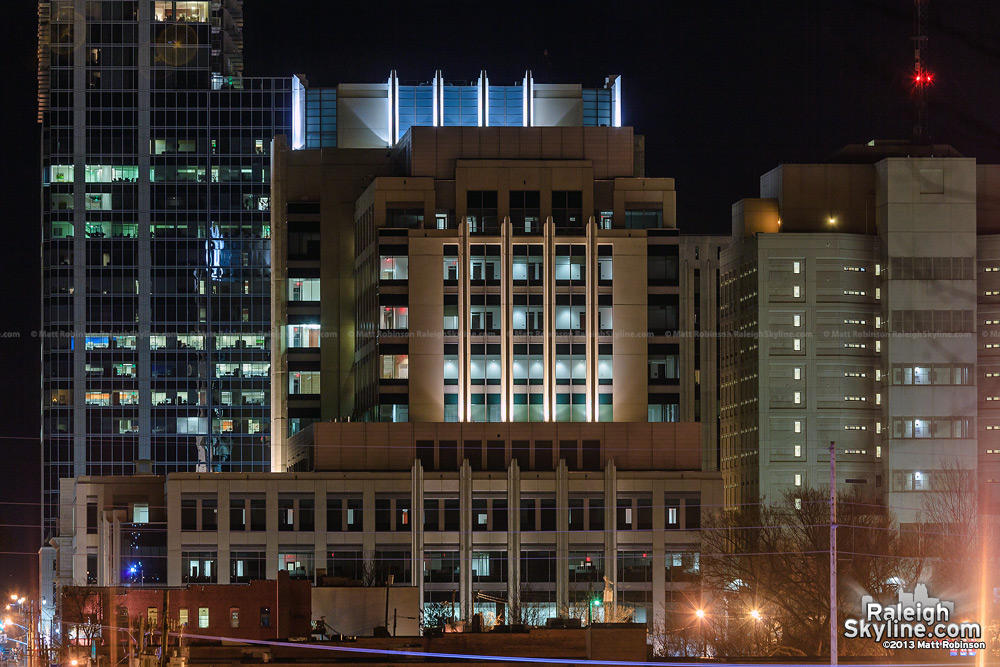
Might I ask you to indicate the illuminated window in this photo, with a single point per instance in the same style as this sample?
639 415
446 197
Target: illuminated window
202 617
798 503
303 382
182 616
394 366
798 450
796 291
394 267
796 267
796 320
798 479
797 373
797 426
393 318
303 289
797 398
303 335
797 344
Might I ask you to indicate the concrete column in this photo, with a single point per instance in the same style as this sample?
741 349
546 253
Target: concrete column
611 521
513 533
417 527
319 526
658 557
562 537
465 538
271 538
223 535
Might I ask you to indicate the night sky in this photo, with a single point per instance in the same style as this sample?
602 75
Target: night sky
723 92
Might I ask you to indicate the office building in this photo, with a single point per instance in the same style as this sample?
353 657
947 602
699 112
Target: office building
155 240
488 275
858 308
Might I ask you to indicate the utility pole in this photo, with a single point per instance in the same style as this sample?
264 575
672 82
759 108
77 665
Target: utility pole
833 553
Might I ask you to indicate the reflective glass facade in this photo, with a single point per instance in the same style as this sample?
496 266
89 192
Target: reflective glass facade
156 240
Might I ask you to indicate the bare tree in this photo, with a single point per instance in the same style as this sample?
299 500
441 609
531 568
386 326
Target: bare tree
958 536
769 564
81 608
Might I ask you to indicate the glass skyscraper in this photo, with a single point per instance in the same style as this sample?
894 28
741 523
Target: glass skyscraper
155 240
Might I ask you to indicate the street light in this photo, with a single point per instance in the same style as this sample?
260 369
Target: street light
755 614
700 614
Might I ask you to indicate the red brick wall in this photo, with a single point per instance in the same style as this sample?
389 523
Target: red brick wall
289 602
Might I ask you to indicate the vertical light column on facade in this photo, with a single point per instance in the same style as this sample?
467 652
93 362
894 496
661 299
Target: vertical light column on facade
437 87
298 113
591 305
614 82
483 96
417 534
464 276
506 328
527 105
549 312
393 102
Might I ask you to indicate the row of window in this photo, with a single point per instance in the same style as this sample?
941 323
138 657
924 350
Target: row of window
346 514
439 567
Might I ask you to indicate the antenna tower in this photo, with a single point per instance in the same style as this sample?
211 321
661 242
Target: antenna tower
922 78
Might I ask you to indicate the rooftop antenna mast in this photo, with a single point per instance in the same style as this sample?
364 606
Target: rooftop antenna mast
922 78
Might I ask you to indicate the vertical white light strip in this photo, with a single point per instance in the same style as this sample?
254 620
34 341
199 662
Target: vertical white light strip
393 108
483 102
531 99
298 114
437 88
525 93
616 101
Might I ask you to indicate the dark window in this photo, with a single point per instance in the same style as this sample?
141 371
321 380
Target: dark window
189 514
307 514
568 453
567 211
209 514
543 455
383 514
265 617
481 212
692 513
334 514
595 511
500 514
527 514
538 566
576 514
644 514
92 518
495 455
258 515
548 514
237 513
432 518
452 515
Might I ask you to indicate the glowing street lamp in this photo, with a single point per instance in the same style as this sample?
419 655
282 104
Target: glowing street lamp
700 614
755 614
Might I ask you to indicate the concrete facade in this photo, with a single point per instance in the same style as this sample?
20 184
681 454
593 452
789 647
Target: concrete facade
857 301
549 536
535 307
